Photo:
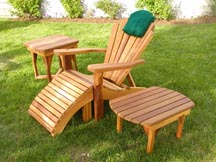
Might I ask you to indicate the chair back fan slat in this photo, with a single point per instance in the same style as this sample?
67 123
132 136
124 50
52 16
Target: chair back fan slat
126 56
123 48
111 43
115 41
118 55
121 74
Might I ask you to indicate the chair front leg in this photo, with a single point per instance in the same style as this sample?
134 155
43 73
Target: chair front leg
98 97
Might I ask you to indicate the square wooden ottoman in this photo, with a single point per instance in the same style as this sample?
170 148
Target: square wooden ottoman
152 108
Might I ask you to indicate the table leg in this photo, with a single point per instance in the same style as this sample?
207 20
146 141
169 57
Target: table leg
151 139
119 124
180 126
47 62
34 63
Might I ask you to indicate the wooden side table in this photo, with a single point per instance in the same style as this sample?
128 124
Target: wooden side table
152 108
45 47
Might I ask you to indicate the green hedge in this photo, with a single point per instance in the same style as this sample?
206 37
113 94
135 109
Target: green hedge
110 7
160 8
27 8
74 8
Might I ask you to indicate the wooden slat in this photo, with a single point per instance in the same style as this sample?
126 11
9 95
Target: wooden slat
119 36
165 115
76 86
127 48
78 77
144 105
116 54
47 105
53 101
62 97
44 103
142 45
41 117
122 98
44 111
141 118
47 47
71 90
135 44
113 45
50 109
154 106
121 48
121 57
111 42
143 95
155 113
47 41
118 76
68 96
111 85
136 52
43 39
59 96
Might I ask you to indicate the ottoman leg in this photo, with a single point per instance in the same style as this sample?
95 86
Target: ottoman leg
87 112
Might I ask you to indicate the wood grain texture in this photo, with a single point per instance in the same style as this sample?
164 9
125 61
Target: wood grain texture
152 108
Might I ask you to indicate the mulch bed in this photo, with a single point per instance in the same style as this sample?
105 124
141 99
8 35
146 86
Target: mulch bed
206 19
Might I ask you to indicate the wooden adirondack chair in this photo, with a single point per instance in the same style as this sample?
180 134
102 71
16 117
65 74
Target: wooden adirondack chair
71 90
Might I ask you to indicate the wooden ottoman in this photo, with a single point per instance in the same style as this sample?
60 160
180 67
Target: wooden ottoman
152 108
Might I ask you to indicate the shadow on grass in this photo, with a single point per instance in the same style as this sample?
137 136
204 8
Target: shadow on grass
7 62
186 68
178 58
6 25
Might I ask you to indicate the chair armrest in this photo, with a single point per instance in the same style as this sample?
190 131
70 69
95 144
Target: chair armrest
98 68
74 51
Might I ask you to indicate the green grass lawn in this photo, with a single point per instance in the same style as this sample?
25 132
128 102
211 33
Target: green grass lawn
180 57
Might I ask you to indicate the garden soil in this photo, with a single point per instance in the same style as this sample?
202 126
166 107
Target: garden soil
206 19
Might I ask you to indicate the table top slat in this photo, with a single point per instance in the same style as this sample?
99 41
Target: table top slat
142 94
168 114
147 100
155 106
47 44
142 118
150 105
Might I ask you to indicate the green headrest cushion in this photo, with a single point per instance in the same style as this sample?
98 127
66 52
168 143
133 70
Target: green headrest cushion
138 23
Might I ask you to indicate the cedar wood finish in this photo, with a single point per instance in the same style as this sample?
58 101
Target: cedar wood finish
152 108
45 47
71 90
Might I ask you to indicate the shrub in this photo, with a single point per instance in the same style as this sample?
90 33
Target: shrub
160 8
73 7
212 7
26 8
110 7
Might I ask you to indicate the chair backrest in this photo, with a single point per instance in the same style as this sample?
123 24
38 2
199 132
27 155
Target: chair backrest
123 48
